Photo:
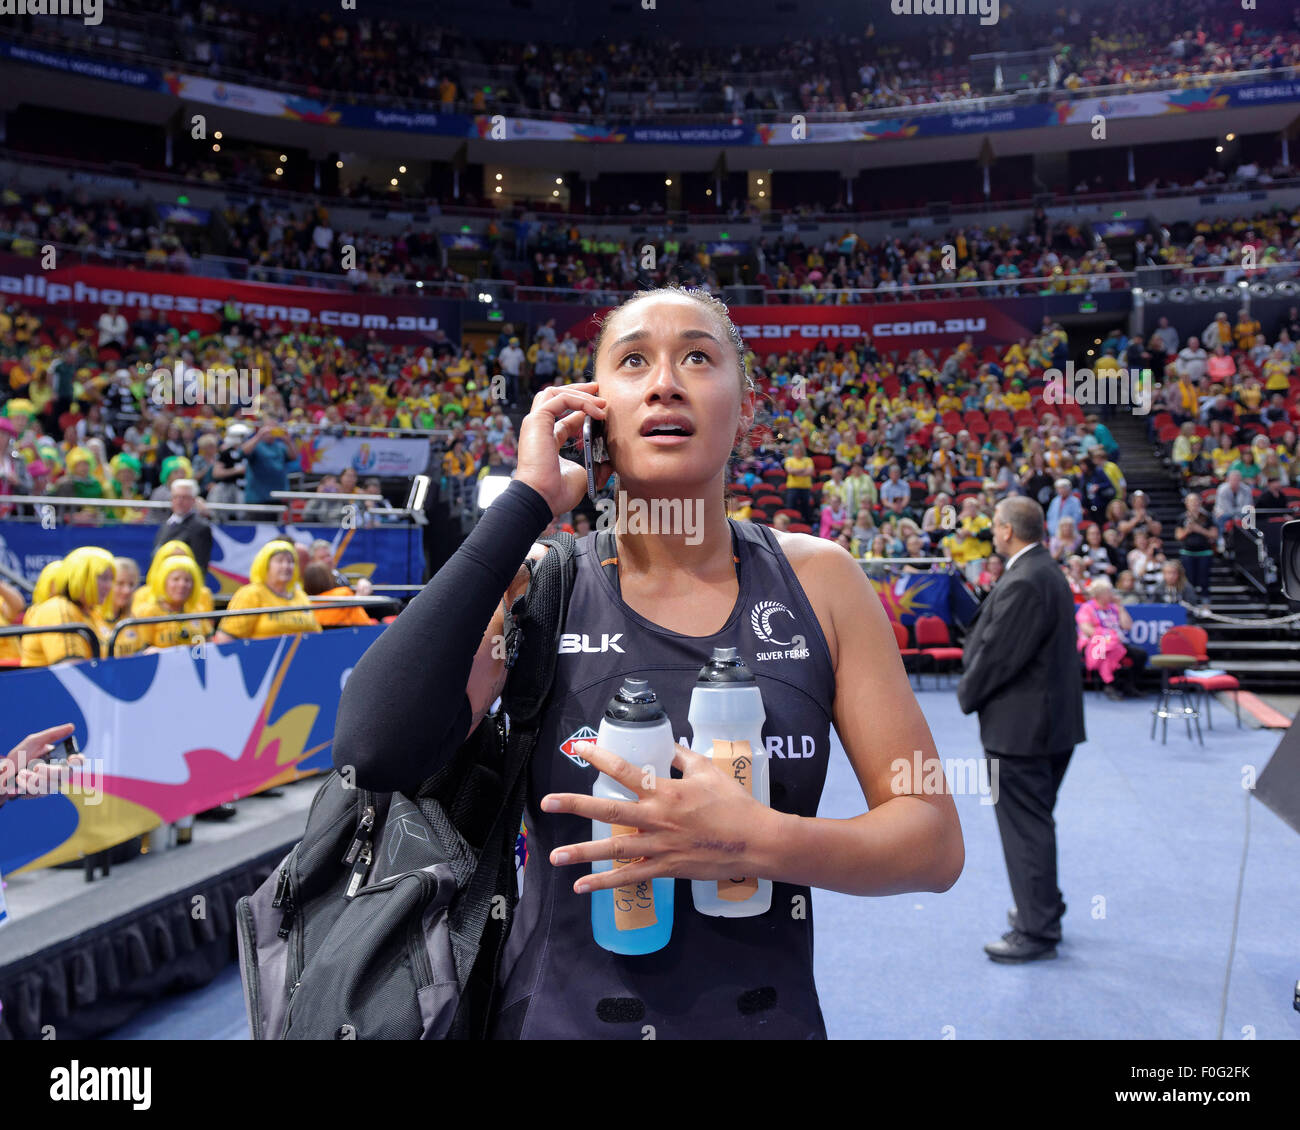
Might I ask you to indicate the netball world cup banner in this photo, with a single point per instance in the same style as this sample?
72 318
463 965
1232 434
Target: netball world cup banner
173 733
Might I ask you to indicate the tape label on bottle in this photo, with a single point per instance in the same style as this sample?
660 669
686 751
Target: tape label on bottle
634 904
736 759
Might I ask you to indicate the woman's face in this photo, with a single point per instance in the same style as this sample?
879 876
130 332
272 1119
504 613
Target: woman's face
178 586
123 587
663 357
1094 536
279 571
1170 574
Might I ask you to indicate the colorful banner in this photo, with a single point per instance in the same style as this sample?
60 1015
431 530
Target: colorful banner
195 302
142 78
373 455
250 99
174 733
387 556
982 116
1151 622
910 595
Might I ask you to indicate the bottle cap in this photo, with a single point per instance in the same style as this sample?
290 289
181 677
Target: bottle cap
635 704
725 666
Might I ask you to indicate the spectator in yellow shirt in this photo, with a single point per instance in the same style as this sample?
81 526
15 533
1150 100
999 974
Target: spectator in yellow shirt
80 586
11 614
1244 331
1223 456
175 586
272 583
798 480
1017 398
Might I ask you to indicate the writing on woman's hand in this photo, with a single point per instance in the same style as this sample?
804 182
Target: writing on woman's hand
703 826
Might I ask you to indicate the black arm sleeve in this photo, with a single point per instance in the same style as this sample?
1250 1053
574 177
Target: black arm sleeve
404 708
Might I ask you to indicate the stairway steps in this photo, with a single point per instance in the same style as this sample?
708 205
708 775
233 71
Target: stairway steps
1261 656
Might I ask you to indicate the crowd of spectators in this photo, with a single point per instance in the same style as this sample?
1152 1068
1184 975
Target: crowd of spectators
889 65
898 456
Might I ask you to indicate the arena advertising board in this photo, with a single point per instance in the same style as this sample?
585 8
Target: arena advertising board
890 325
978 116
258 713
190 302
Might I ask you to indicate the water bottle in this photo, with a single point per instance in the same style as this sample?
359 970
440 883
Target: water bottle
726 717
637 918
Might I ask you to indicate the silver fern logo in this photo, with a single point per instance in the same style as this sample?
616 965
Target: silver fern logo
760 619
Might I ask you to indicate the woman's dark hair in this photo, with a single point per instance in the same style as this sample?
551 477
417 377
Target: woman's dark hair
317 578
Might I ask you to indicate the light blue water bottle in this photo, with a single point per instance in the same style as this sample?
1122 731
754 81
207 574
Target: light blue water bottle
637 918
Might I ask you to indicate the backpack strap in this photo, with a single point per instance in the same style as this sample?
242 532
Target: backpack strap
533 639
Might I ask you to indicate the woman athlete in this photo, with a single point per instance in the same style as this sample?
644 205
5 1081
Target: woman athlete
672 390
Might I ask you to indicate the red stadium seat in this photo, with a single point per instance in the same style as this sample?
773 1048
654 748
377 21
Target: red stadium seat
907 652
934 642
800 528
1194 641
822 462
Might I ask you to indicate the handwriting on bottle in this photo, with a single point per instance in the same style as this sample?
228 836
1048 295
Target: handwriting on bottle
634 905
735 759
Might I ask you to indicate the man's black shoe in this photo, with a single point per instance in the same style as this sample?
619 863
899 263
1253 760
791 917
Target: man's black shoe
221 812
1111 691
1016 948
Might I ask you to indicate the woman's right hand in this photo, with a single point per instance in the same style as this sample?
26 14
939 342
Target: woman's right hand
556 418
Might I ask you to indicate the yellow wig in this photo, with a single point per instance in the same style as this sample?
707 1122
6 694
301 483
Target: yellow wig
79 578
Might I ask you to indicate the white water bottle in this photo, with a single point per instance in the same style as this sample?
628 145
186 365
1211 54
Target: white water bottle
726 717
636 918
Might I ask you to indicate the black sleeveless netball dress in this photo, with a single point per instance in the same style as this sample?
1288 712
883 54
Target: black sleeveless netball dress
718 978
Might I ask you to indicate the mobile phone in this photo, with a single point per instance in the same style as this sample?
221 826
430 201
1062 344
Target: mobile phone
58 758
593 451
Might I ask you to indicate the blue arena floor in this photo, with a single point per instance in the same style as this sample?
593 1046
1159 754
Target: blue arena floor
1150 843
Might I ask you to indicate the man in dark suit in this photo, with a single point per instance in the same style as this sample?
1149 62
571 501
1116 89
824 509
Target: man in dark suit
187 524
1022 675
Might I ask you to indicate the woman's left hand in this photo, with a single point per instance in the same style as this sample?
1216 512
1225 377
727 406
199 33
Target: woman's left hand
703 826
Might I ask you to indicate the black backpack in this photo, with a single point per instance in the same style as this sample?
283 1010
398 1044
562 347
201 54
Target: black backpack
389 917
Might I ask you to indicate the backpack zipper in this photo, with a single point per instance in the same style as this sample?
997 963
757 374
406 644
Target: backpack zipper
362 834
284 897
359 869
